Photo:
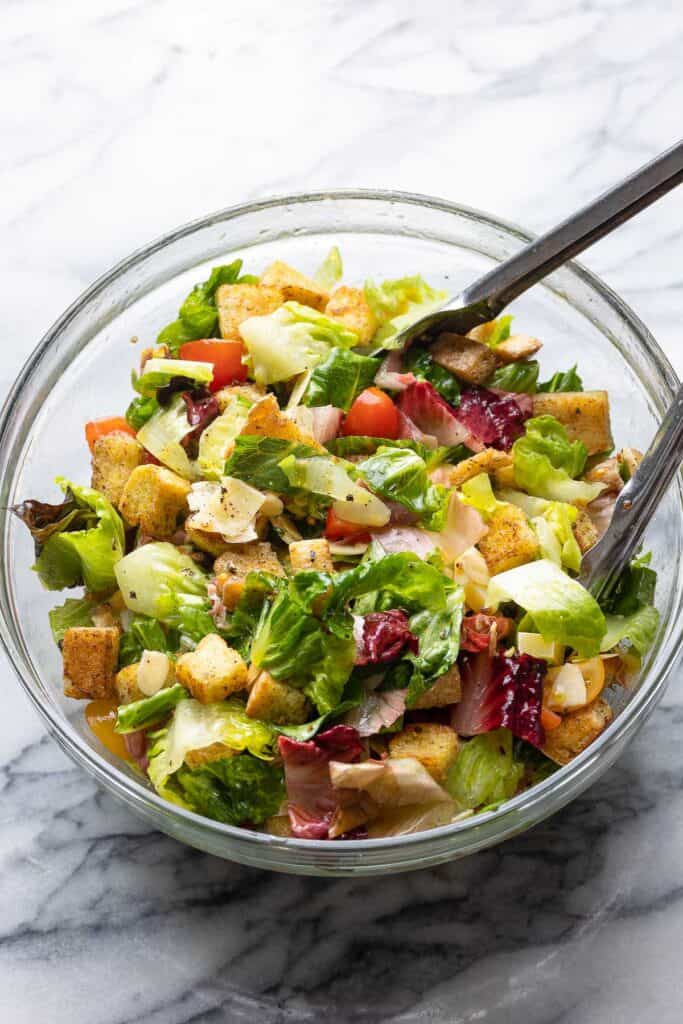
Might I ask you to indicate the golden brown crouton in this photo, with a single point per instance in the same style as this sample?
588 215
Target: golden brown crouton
577 731
516 347
212 543
265 419
434 745
212 671
90 655
584 531
237 302
350 306
629 460
153 498
234 565
446 690
273 701
311 554
295 286
126 684
467 359
204 755
488 461
584 414
252 393
114 457
511 540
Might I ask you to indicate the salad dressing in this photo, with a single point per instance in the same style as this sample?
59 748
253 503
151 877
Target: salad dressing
101 718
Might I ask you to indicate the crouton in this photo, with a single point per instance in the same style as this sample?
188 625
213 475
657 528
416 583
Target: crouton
629 460
237 302
252 393
153 498
511 540
90 656
488 461
434 745
212 671
126 684
114 457
584 531
350 307
273 701
516 347
577 730
265 419
233 567
294 286
446 690
467 359
584 414
606 473
311 554
205 755
212 543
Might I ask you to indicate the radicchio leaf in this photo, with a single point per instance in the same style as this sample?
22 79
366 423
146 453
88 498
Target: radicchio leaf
424 406
44 520
481 632
493 418
385 637
202 409
501 691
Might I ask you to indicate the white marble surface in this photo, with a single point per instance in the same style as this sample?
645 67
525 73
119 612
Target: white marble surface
120 119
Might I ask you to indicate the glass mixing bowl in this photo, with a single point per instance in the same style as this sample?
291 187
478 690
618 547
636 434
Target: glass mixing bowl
81 369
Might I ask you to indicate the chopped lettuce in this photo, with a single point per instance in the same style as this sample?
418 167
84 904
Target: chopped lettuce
293 339
162 433
634 588
158 580
140 714
485 771
567 380
145 634
195 726
157 373
499 330
340 379
556 538
560 607
78 541
76 611
478 493
330 271
519 377
438 634
258 593
141 409
422 365
399 303
639 629
198 317
217 439
545 461
327 477
234 790
399 474
256 460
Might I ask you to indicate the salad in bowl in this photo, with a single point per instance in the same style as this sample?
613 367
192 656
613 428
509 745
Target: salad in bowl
330 586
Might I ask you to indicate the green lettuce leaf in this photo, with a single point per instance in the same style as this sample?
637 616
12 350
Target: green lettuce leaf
162 433
340 379
545 461
330 271
518 377
399 303
639 629
553 528
160 581
292 340
142 713
76 611
215 439
327 477
567 380
478 493
145 634
256 460
420 363
485 771
157 373
560 607
500 331
634 589
361 444
258 593
83 545
353 695
399 474
140 410
198 316
438 634
234 790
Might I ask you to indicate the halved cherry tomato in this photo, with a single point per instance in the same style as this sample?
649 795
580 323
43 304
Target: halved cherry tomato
373 414
342 529
549 720
226 357
100 428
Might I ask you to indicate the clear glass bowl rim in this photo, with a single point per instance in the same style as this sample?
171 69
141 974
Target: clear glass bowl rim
485 829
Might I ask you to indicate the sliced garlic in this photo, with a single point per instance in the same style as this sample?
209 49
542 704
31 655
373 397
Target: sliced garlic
153 672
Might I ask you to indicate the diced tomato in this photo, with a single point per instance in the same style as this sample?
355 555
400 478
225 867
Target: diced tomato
100 428
373 414
342 529
226 357
549 720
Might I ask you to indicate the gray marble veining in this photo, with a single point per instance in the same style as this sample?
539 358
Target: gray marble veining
121 119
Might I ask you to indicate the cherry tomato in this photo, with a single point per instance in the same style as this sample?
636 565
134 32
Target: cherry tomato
342 529
373 414
226 357
549 720
100 428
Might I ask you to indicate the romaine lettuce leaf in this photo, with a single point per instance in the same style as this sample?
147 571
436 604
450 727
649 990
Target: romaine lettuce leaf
198 317
499 330
140 410
233 790
560 607
256 460
216 440
157 373
485 771
326 477
162 433
399 474
556 537
420 363
82 544
76 611
478 493
293 339
145 634
634 588
567 380
158 580
518 377
140 714
340 379
330 271
545 461
639 629
438 634
399 303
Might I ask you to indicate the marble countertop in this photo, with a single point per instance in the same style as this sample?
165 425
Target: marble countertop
122 119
